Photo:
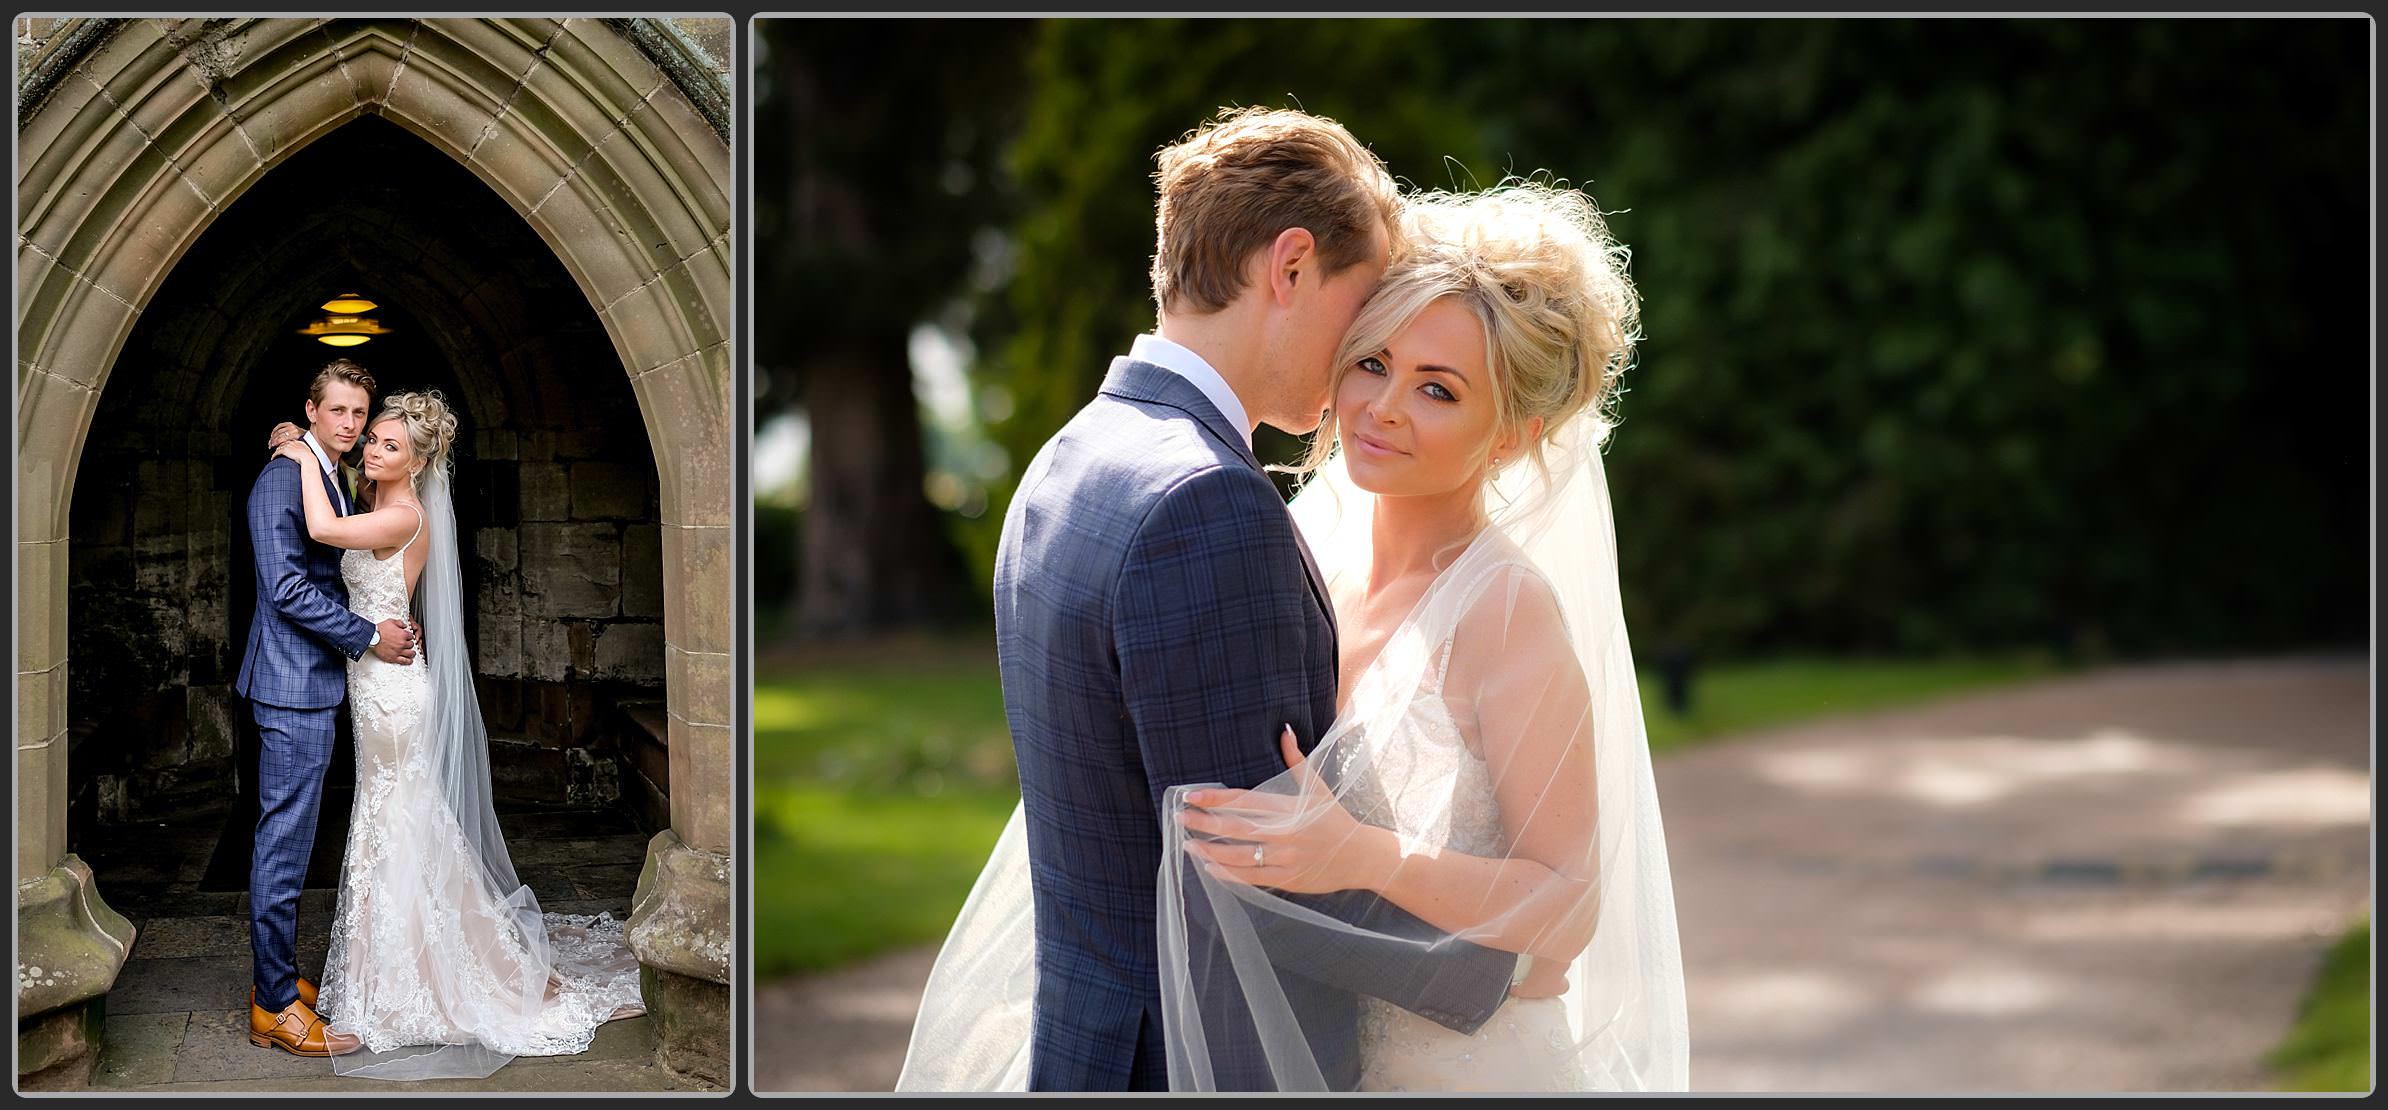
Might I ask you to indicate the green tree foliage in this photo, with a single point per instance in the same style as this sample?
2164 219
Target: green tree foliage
877 144
1960 333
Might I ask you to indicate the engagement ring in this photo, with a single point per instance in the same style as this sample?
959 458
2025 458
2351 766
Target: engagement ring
1256 850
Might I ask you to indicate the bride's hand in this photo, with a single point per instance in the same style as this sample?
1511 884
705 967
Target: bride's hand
1302 843
296 451
284 432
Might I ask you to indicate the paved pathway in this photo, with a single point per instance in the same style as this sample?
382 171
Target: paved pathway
177 1018
2117 881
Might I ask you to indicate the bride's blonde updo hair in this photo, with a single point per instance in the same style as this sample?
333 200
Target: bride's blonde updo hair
1537 267
430 428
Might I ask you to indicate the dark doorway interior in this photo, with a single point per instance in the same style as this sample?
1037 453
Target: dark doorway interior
556 490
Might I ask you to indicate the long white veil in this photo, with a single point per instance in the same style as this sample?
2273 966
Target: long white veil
1501 722
1519 653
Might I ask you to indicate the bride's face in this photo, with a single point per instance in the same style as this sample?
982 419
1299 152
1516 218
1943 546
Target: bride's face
1417 418
389 455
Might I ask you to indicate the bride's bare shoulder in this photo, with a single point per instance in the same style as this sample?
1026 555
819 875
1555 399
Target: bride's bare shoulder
1512 610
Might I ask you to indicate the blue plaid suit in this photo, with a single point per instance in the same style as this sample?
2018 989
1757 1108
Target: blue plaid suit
1158 621
294 672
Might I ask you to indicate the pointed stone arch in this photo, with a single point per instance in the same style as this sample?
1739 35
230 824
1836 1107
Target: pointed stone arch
133 135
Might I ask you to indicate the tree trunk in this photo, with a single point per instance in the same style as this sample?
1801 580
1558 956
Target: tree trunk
876 553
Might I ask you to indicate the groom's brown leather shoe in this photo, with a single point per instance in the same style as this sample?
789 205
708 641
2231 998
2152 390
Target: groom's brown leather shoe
297 1031
306 991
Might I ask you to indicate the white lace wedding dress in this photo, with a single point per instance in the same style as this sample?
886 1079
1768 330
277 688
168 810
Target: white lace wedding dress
434 965
1419 775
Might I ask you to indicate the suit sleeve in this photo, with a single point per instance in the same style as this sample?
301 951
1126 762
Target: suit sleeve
1212 627
278 536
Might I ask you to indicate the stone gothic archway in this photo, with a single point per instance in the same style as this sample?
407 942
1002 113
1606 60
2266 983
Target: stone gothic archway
609 139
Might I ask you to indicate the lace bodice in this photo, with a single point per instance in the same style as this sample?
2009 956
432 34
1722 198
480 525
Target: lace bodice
1419 778
1418 775
382 694
376 587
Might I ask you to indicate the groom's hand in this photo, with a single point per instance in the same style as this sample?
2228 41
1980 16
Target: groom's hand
397 643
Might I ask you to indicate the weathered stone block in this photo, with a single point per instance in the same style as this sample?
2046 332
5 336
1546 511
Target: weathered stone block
70 945
57 1050
213 730
701 686
501 702
629 652
565 444
546 651
701 783
691 400
546 491
583 638
494 443
692 1024
642 571
680 916
41 704
571 570
524 770
610 491
500 649
696 576
41 810
499 549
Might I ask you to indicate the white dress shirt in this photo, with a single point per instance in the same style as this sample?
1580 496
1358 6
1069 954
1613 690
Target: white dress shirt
339 494
1175 358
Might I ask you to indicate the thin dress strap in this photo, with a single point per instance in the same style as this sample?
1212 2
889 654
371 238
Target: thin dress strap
410 540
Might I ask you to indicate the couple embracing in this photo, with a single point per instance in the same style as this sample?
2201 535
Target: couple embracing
1351 794
441 963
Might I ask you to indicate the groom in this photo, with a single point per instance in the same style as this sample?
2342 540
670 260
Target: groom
294 674
1159 621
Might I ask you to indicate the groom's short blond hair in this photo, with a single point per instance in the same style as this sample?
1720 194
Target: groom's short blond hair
1231 186
341 370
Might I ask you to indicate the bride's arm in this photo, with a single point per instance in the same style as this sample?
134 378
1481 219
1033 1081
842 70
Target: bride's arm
358 532
1532 712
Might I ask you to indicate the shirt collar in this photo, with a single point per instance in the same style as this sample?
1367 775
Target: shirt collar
1177 359
320 457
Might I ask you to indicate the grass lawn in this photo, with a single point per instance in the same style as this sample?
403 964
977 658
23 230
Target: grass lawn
883 776
2330 1049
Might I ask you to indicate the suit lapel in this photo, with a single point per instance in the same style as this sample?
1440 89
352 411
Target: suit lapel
1137 380
339 503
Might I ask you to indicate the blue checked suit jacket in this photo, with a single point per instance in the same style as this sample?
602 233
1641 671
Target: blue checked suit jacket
302 634
1158 621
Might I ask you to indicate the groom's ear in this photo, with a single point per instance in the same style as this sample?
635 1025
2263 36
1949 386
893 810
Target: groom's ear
1290 253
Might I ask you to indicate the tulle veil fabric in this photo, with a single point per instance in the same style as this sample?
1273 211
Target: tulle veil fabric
489 976
1519 647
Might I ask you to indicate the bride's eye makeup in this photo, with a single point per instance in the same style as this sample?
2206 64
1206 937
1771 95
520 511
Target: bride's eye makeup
1372 365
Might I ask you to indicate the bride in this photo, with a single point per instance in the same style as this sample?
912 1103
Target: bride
441 963
1488 771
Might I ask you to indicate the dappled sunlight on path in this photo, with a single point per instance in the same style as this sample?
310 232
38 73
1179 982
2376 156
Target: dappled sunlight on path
2116 881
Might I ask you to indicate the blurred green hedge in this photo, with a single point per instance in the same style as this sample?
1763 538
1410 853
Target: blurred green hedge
1960 333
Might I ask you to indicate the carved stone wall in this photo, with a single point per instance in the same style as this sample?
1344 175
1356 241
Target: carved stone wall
606 138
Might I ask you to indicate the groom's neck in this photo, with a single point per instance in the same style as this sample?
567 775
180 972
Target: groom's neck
1232 345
